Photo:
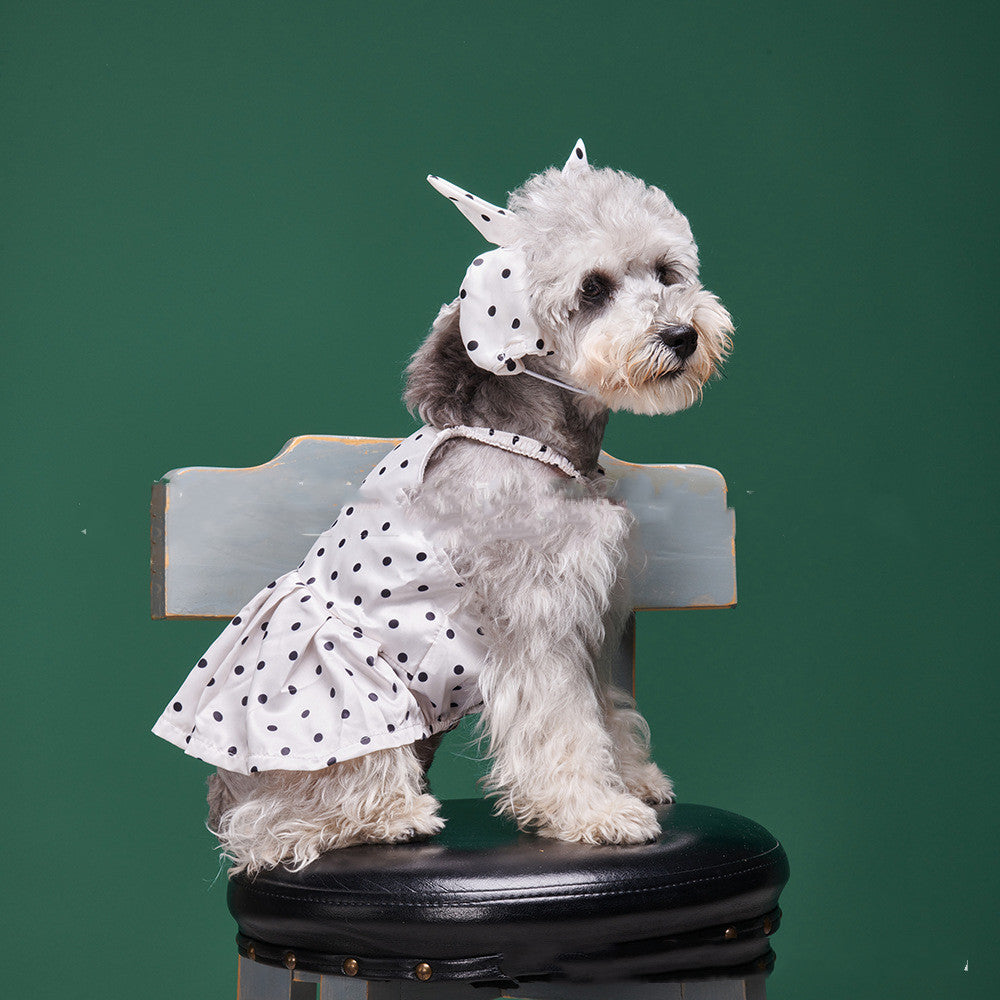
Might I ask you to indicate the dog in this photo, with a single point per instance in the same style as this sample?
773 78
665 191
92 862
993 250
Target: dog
481 568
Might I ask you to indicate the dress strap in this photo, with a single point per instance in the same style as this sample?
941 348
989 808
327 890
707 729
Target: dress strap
516 443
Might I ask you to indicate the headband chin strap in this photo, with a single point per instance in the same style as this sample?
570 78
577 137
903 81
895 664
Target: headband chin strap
562 385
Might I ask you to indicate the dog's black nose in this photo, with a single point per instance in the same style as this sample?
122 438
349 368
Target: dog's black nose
681 339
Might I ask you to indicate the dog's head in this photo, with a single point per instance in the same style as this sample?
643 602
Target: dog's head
610 283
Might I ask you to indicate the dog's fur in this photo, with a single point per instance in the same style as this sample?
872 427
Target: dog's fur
544 564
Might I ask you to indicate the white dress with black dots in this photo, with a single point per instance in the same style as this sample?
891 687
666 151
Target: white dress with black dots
362 648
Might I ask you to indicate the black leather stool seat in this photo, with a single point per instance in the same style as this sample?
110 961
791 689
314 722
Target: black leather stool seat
483 902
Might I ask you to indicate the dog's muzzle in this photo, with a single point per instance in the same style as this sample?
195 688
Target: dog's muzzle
680 338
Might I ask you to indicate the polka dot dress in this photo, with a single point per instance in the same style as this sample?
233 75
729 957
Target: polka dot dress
363 647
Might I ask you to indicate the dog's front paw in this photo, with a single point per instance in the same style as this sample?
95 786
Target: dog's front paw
650 784
617 819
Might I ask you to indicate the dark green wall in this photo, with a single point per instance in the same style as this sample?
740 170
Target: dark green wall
217 235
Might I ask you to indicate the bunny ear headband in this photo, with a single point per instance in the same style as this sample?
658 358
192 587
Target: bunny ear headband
495 317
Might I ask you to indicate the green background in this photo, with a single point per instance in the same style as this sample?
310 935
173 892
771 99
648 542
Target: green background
217 235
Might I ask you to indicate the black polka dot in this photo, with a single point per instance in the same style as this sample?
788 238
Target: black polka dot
402 657
421 676
243 641
492 311
373 696
293 655
477 262
333 575
318 738
387 593
305 714
364 534
450 633
461 294
454 704
472 345
261 665
333 692
217 716
505 273
458 668
203 662
365 740
381 471
177 706
272 729
331 762
244 700
539 344
238 669
404 463
285 751
370 660
329 604
237 620
387 560
515 323
430 616
421 556
345 714
386 526
341 543
358 634
511 364
232 751
390 728
262 698
393 623
311 579
357 600
210 683
328 645
319 670
422 587
292 689
479 631
319 552
485 218
349 511
271 584
296 626
302 600
357 566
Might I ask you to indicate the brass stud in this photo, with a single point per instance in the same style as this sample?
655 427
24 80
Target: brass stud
423 972
289 960
768 926
252 953
350 967
730 933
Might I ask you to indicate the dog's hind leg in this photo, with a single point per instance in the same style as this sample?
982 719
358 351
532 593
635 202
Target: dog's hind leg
291 817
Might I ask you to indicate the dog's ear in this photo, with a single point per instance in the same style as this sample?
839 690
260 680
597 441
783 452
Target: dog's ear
577 161
496 224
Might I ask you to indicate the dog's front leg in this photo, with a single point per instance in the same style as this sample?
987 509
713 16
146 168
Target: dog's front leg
554 765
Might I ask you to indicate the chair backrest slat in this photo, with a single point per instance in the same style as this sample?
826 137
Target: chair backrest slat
219 535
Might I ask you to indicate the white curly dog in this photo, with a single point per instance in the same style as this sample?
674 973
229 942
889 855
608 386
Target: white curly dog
503 578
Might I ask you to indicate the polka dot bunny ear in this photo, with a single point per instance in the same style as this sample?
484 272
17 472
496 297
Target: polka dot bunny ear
577 161
495 313
496 224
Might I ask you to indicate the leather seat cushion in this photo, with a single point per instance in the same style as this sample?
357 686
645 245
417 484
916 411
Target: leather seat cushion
484 902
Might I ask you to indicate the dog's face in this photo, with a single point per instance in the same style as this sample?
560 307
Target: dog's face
613 272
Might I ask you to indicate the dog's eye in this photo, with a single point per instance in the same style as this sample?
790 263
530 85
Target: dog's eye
596 289
668 275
